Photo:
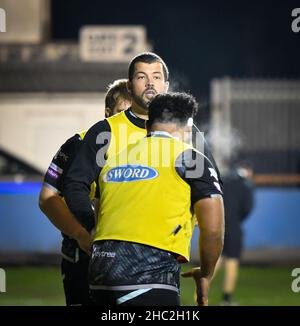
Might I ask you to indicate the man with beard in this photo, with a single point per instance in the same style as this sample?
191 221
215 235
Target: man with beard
147 76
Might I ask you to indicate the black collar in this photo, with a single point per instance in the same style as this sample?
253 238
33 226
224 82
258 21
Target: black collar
134 119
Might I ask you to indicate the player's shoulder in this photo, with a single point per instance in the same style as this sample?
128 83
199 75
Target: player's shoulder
98 127
71 142
126 117
68 149
191 154
117 116
120 117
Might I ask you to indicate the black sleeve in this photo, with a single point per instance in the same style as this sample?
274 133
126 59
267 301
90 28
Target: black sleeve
200 143
97 192
208 154
198 171
84 170
60 164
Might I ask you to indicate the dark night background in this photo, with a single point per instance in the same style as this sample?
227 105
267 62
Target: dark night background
199 40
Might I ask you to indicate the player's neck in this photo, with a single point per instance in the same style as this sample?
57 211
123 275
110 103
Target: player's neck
171 128
139 111
164 127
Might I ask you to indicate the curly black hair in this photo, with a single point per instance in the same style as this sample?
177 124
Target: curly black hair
172 107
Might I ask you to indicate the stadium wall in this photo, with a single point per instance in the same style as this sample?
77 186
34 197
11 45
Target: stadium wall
34 125
274 222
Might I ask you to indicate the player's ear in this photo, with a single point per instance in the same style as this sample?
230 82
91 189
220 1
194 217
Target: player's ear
167 84
108 112
129 86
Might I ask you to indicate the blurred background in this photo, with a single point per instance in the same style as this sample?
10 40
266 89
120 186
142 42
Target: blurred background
240 60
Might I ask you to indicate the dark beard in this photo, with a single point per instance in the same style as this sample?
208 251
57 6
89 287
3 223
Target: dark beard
140 102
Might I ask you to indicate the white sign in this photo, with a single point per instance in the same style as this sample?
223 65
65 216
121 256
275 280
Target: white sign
2 280
2 21
112 44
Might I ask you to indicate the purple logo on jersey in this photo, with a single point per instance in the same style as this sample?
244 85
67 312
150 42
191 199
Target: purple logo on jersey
52 173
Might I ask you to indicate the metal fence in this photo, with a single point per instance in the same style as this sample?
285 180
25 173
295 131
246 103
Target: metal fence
265 115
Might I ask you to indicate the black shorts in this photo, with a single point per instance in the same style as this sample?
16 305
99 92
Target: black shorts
133 274
75 281
233 243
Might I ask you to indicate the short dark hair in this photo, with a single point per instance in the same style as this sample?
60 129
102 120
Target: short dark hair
172 107
147 57
114 90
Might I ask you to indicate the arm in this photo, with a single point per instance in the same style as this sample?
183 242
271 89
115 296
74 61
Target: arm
84 170
207 203
210 217
53 206
50 200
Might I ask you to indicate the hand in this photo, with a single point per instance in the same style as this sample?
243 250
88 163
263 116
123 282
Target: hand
84 240
202 285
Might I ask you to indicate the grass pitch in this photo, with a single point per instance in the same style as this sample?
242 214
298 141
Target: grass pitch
39 286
